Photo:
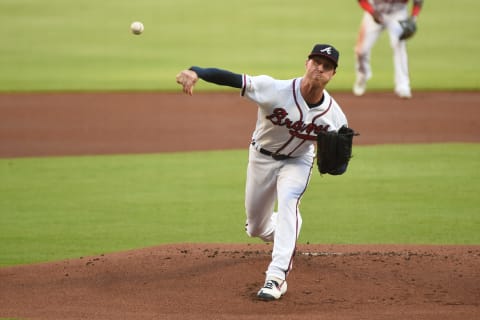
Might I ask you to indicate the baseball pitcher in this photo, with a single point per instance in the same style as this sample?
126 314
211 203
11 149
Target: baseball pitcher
292 114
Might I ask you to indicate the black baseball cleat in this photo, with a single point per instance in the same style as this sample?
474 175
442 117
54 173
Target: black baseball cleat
272 290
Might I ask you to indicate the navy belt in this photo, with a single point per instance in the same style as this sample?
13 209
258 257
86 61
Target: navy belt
275 156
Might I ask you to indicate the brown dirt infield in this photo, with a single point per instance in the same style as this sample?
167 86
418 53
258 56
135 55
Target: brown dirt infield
219 281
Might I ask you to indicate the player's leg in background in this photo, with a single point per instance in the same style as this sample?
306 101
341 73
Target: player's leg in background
400 56
260 195
367 36
292 183
402 78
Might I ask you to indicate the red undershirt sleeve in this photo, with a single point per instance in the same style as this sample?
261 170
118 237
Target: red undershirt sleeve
417 6
366 6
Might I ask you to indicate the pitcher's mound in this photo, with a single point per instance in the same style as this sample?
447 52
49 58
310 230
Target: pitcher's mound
217 281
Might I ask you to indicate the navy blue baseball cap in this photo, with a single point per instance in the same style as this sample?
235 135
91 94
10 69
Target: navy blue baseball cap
327 51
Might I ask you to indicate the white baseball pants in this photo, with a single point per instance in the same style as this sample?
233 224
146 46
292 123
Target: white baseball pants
280 182
368 35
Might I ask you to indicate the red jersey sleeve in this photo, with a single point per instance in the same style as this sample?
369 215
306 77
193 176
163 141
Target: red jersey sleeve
366 6
417 6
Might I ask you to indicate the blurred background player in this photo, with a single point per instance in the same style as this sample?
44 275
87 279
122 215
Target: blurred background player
380 15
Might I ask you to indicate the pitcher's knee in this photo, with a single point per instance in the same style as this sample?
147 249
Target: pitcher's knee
256 232
252 231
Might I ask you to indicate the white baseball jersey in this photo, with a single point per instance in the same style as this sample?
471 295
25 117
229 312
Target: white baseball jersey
389 6
285 123
288 126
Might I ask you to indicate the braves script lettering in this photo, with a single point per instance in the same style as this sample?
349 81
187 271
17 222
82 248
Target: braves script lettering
297 128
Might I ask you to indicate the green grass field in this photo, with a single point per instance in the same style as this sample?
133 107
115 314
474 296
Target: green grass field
61 207
86 45
54 208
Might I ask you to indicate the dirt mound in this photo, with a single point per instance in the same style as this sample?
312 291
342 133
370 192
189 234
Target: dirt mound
218 281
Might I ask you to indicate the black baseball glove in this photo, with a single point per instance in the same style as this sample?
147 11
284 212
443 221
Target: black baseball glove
334 150
409 27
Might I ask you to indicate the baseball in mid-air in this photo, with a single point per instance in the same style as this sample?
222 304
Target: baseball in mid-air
137 27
